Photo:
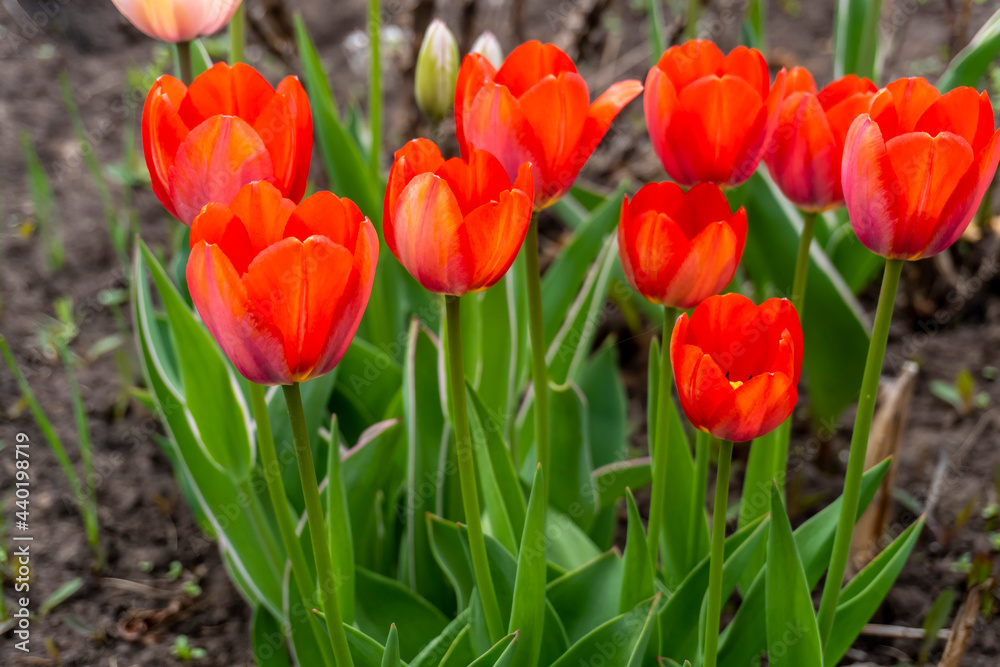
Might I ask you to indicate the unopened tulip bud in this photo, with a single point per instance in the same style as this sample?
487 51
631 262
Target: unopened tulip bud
488 47
437 71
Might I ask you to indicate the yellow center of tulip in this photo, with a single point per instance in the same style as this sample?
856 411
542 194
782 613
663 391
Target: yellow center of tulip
736 385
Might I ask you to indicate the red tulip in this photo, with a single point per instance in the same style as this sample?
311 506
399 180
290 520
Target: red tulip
917 166
537 109
229 128
282 287
805 154
737 365
710 116
455 225
678 248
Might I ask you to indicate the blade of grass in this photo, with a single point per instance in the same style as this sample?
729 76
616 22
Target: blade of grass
41 197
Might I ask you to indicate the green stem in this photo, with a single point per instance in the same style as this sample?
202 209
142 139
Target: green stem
184 69
802 262
859 447
317 528
691 25
283 513
467 471
238 35
703 448
718 553
657 509
375 88
536 330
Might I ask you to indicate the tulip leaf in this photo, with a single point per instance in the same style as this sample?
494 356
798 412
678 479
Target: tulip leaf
390 658
338 526
527 614
744 637
382 601
368 382
862 597
792 631
268 640
834 328
426 436
637 572
437 648
496 373
213 488
588 596
617 641
460 653
611 480
756 499
858 265
304 625
574 547
500 655
856 38
969 66
564 278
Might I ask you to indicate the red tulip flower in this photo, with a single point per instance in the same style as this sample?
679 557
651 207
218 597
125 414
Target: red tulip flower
710 116
282 287
536 108
737 365
808 145
917 166
455 225
678 248
229 128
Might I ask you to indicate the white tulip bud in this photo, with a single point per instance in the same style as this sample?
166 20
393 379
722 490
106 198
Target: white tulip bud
437 71
488 46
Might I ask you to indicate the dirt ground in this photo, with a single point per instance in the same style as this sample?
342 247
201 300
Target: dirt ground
133 612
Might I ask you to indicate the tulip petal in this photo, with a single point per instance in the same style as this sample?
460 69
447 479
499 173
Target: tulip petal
495 123
417 156
474 182
749 65
220 297
556 109
802 159
653 247
686 63
707 268
780 318
956 111
216 159
659 105
531 62
868 181
496 231
799 80
264 213
284 124
231 91
217 225
755 408
475 72
163 132
325 214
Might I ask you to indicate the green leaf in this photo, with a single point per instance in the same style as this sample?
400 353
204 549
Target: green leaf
756 499
862 597
60 595
527 614
617 641
381 601
365 651
834 323
391 656
856 37
338 526
460 653
425 432
368 382
213 397
563 279
268 640
612 480
969 66
446 545
496 358
744 637
200 60
573 548
437 648
500 655
792 631
588 596
637 575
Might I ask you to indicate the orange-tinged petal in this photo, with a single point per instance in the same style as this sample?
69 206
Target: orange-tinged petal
784 337
868 181
842 89
217 225
417 156
475 72
927 170
910 98
659 106
957 111
495 123
686 63
985 129
652 247
496 231
749 65
799 80
531 62
804 158
216 159
755 408
284 124
233 91
557 110
476 182
325 214
253 345
707 268
264 213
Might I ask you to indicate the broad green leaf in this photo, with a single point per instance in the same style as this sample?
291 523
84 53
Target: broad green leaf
969 66
368 380
862 597
834 323
382 601
496 358
678 623
425 436
615 641
213 488
858 265
637 572
856 38
573 548
499 484
390 658
306 632
588 596
365 651
437 648
562 281
527 614
211 392
744 637
792 631
612 480
500 655
268 640
446 545
642 647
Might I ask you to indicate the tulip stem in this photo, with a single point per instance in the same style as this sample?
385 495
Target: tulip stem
467 471
536 329
375 88
718 553
859 447
238 35
184 69
317 527
691 22
283 513
660 449
703 449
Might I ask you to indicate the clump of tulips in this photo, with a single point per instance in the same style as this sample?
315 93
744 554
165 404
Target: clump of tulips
436 482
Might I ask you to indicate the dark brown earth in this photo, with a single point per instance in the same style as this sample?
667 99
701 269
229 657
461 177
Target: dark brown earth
143 522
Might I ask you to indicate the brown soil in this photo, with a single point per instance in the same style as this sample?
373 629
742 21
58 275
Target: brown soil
143 522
